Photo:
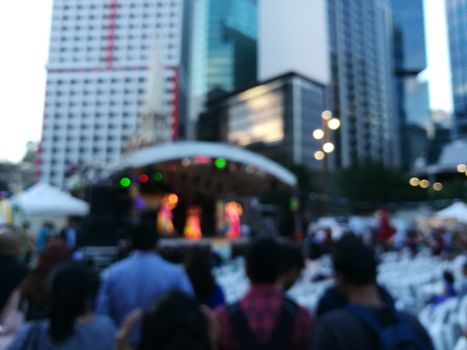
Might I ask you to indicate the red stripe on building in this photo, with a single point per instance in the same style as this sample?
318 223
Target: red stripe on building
175 109
109 49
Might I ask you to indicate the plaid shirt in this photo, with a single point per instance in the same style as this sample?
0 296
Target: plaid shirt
261 306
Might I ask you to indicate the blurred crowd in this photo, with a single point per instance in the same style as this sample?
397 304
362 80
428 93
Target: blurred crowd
48 300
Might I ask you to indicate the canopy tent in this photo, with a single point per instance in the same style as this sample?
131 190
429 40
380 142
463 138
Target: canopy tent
43 199
456 211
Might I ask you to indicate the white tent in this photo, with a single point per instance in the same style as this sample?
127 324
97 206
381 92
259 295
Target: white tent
456 211
45 200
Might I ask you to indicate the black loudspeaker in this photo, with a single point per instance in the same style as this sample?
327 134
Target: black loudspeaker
108 218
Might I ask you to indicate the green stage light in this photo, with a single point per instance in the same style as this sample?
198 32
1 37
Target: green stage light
220 163
158 177
125 182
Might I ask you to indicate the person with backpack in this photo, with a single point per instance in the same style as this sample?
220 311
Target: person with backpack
367 321
265 318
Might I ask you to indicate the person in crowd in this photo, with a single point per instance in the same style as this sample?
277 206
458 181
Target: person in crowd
264 317
199 269
68 234
292 265
71 325
12 272
174 321
35 290
449 289
45 233
137 280
27 243
367 321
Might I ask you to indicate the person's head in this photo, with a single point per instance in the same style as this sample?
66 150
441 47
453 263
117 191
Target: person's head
448 277
73 290
354 263
291 265
199 269
54 253
143 237
9 243
175 321
263 259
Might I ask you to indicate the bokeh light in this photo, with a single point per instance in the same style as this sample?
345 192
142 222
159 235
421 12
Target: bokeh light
414 181
125 182
334 124
318 134
319 155
328 147
437 186
424 184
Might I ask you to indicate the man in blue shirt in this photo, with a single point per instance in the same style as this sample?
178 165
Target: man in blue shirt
136 281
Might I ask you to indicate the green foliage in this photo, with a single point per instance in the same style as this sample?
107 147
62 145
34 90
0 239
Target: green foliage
373 182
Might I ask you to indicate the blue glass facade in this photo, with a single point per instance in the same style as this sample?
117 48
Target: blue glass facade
224 45
363 87
409 35
412 94
457 27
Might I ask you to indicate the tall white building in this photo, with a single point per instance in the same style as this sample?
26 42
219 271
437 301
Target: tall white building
96 77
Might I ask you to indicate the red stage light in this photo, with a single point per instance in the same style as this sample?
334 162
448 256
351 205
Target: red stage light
143 178
201 160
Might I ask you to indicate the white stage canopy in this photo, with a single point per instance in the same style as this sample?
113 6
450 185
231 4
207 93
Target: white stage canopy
43 199
187 149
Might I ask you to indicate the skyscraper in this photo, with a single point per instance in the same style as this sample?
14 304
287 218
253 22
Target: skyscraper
96 77
456 19
362 88
224 48
412 92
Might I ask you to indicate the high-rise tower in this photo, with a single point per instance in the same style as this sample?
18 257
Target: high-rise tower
97 73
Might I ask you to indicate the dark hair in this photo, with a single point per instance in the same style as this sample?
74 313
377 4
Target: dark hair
448 277
199 269
354 261
35 287
291 258
263 260
143 236
74 288
175 321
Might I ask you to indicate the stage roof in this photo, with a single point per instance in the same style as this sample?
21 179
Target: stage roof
255 173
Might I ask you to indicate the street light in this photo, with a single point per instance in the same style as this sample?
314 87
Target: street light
318 134
461 168
334 124
319 155
414 182
326 115
424 184
328 147
437 186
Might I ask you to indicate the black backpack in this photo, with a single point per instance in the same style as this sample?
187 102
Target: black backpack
280 336
399 335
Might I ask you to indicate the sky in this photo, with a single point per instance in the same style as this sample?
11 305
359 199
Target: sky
24 37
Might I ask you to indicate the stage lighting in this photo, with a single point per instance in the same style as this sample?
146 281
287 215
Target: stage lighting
220 163
125 182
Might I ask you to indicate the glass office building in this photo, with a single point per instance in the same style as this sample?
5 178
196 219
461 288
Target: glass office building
275 118
224 45
224 48
457 27
412 93
363 87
